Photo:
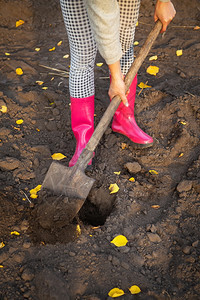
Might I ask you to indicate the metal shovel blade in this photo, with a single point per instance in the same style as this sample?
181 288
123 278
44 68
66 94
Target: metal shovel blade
71 182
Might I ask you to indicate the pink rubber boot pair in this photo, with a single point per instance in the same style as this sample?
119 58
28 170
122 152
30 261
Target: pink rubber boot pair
82 122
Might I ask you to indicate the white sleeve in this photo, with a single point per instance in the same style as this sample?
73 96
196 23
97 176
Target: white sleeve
104 16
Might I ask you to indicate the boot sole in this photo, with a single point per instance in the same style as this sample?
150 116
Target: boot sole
134 145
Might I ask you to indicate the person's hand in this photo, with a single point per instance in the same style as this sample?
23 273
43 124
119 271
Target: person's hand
117 85
165 12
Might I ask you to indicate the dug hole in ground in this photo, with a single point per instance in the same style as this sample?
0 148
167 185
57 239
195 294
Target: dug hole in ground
157 211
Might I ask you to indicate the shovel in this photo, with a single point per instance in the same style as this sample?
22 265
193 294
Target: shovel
72 182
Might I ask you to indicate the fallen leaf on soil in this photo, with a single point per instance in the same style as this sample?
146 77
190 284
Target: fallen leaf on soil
19 71
183 122
45 88
52 49
78 230
96 227
152 70
137 23
66 56
124 146
15 233
39 82
3 109
114 293
37 129
33 192
132 179
155 206
117 173
134 289
17 128
2 245
20 121
179 52
99 64
19 23
153 172
58 156
1 266
113 188
7 54
119 241
154 57
37 49
59 43
180 155
143 85
52 78
196 28
136 43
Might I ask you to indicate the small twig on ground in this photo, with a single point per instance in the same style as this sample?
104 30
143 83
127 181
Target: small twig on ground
27 197
54 69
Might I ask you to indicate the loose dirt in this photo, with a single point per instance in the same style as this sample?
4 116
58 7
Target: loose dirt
158 212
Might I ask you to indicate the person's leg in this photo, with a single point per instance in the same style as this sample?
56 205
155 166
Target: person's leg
81 78
124 120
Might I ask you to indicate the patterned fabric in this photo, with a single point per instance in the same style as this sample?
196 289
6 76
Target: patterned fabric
83 46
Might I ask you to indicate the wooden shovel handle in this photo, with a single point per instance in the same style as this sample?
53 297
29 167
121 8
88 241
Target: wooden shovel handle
87 153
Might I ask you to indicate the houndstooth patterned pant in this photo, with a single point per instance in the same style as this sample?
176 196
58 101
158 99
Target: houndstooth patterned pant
83 47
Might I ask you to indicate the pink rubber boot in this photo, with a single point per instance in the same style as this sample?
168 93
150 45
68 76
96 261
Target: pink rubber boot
82 122
124 121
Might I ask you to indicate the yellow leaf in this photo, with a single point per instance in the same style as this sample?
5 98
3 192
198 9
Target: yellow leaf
15 233
78 230
19 71
124 146
119 241
99 64
52 49
33 196
155 206
39 82
132 179
52 78
142 85
59 43
137 23
134 289
37 129
153 172
20 121
2 245
66 56
180 155
179 52
113 188
114 293
37 49
196 28
45 88
154 57
183 122
136 43
1 266
152 70
58 156
3 109
19 23
7 54
117 173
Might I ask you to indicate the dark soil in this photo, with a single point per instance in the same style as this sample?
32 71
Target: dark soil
158 213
